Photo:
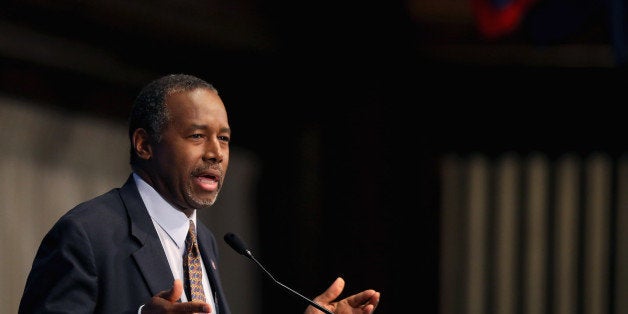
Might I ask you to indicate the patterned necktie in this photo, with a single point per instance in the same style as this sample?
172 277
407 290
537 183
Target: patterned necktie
192 267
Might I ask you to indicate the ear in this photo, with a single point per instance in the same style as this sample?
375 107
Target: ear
142 144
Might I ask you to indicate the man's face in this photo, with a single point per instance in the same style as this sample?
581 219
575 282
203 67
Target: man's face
190 161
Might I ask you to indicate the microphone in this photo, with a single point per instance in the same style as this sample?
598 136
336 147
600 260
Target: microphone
239 246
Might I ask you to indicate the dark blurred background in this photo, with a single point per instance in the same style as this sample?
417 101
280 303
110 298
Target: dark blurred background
347 105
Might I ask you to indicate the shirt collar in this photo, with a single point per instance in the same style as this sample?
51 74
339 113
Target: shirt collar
170 219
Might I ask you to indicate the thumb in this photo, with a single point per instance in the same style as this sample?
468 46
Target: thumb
332 292
174 294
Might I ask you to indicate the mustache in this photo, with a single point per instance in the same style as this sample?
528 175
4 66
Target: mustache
213 169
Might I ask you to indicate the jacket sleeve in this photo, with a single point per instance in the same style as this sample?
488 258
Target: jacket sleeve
63 277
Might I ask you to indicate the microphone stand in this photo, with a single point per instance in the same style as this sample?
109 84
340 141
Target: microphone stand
238 245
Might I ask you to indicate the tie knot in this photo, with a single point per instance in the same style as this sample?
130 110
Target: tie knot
190 240
192 230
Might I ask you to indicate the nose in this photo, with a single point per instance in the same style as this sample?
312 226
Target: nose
213 152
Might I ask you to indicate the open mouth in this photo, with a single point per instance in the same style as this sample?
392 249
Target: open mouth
208 180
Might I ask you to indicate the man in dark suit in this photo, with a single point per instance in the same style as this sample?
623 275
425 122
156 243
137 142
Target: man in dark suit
124 251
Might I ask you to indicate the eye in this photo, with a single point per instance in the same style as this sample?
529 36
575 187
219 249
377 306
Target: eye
196 136
224 139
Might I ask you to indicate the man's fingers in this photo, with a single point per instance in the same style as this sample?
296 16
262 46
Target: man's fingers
193 307
174 294
364 298
332 292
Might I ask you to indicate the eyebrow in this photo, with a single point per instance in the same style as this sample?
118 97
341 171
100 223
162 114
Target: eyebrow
204 126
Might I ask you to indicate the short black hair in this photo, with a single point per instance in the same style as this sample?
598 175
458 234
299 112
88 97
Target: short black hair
149 111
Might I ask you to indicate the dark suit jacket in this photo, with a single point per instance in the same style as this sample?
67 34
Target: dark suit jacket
104 256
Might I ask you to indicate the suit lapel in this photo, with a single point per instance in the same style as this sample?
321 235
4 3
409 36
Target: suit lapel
153 269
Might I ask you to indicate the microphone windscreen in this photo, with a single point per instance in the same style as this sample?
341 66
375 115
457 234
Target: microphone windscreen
236 243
